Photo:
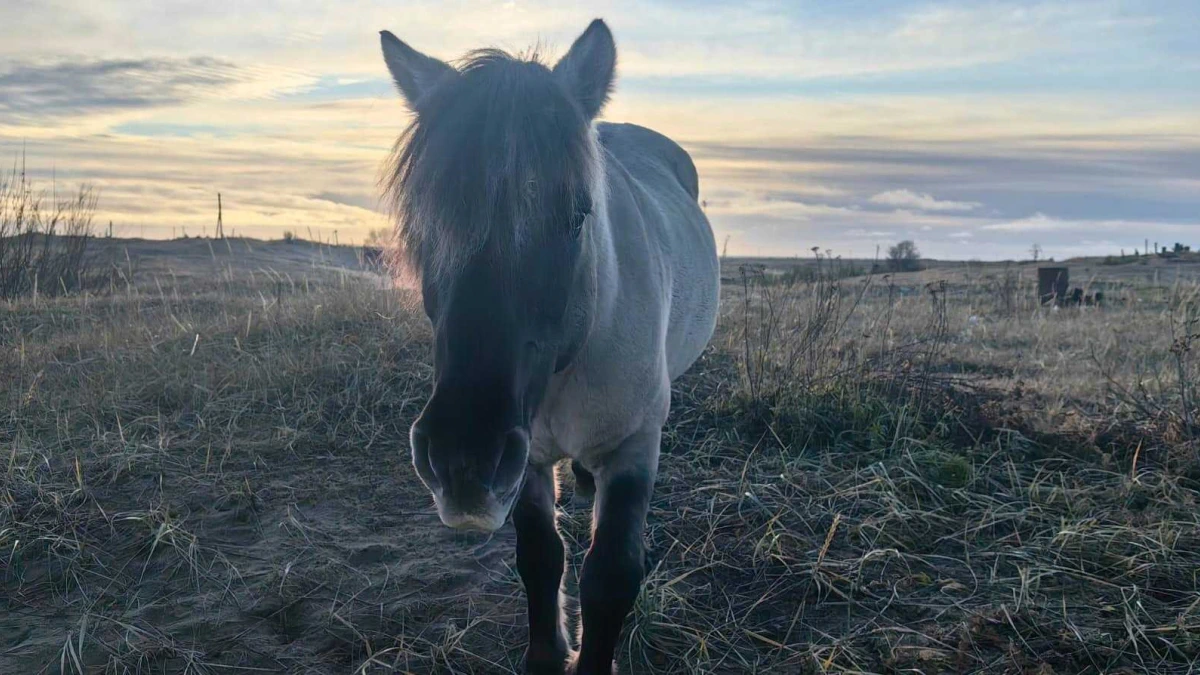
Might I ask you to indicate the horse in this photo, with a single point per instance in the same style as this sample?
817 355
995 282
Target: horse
569 275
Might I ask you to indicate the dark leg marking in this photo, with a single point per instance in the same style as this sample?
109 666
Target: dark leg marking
614 567
540 561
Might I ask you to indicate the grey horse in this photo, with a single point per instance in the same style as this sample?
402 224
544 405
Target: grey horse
570 276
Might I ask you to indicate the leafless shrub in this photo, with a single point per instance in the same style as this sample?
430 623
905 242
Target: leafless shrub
1005 290
1161 388
790 330
799 337
44 239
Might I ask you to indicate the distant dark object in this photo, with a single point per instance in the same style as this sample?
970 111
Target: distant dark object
372 256
1077 298
1052 284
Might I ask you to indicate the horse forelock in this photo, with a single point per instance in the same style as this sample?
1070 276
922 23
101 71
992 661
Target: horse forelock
477 167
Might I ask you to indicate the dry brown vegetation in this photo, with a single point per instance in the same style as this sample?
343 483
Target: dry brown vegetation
44 238
205 472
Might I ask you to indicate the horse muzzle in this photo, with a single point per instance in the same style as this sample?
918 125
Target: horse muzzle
474 485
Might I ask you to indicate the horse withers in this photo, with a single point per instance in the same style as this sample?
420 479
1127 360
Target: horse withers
569 275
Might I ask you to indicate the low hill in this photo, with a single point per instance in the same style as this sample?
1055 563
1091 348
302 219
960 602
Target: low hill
196 256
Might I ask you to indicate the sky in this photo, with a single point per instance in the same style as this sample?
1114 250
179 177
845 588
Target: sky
976 129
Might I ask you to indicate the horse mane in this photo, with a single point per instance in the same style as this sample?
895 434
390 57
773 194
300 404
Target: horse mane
486 163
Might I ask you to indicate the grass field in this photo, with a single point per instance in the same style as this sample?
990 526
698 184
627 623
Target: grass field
205 471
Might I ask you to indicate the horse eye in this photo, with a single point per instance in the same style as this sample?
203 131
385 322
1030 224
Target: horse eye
582 210
577 224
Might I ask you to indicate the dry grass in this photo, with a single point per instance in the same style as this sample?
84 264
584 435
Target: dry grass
204 472
44 238
949 484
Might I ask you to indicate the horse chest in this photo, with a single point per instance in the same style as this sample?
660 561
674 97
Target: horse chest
584 418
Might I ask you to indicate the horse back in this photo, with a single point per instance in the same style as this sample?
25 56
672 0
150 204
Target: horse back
639 148
664 183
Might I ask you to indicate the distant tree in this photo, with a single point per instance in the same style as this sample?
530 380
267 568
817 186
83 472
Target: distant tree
1035 252
904 257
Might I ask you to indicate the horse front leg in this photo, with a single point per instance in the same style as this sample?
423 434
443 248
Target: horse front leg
540 561
615 564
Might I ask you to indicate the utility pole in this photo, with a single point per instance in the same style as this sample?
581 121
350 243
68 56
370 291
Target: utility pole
220 223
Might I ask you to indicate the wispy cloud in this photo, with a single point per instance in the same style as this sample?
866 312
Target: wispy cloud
1040 223
364 201
42 92
907 199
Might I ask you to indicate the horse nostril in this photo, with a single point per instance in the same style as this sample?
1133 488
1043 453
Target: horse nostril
422 460
441 469
516 445
512 459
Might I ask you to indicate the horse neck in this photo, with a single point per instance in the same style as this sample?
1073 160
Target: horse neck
589 290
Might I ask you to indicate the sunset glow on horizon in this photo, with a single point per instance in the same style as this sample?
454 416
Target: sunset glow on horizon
975 129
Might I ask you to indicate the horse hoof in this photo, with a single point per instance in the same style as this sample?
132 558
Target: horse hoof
547 669
574 669
546 664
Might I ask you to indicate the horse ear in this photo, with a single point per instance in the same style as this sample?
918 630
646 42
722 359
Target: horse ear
588 69
415 73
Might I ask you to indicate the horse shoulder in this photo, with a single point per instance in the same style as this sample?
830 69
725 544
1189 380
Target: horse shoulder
599 401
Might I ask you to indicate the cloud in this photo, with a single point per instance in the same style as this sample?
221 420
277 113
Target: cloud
41 92
1038 222
847 127
920 201
869 234
1112 176
362 201
765 40
1133 229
